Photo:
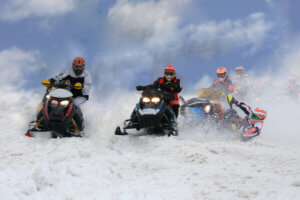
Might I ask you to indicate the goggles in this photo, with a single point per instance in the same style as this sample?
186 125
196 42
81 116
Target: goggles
169 73
240 72
221 75
78 69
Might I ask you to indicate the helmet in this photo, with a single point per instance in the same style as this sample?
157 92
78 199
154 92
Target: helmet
170 72
221 73
239 70
78 65
258 114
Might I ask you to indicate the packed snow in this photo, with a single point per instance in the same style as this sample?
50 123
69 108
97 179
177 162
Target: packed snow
194 165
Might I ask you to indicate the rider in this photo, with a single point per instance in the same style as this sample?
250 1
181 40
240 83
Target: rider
241 82
252 124
77 74
292 88
223 82
169 83
240 72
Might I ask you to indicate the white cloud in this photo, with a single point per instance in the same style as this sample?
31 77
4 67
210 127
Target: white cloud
289 58
160 26
212 37
16 64
143 19
20 9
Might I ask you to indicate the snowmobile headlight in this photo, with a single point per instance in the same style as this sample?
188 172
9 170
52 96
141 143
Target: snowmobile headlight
146 100
207 109
48 96
64 103
54 102
155 100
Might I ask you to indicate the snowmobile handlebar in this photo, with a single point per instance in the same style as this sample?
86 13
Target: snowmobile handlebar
62 84
140 88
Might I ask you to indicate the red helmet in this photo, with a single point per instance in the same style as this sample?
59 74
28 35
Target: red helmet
78 65
239 70
221 73
170 72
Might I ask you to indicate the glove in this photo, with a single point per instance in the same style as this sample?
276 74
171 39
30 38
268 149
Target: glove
52 80
140 88
231 100
234 101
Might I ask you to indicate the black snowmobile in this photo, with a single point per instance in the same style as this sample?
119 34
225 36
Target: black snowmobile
57 113
152 113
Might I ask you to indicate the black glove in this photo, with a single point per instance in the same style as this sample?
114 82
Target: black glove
52 80
234 101
140 88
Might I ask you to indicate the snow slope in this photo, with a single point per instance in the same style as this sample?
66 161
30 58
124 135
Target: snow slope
103 166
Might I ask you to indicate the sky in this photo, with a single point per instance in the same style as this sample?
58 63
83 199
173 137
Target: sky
129 42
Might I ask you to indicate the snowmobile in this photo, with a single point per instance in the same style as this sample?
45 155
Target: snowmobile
152 113
57 113
202 109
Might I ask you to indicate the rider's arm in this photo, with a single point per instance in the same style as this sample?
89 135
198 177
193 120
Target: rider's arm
245 108
230 85
155 84
87 85
178 86
60 77
214 84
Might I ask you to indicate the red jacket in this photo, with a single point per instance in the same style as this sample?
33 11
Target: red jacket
223 86
173 88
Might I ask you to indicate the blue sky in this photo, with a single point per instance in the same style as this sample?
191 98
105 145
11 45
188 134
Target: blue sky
129 42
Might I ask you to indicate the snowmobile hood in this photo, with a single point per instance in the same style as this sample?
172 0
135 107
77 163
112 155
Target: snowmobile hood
61 93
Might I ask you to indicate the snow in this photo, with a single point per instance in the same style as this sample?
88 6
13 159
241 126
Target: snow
194 165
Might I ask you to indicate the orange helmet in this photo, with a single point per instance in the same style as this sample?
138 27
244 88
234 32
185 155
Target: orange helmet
78 65
221 73
258 114
170 72
240 70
